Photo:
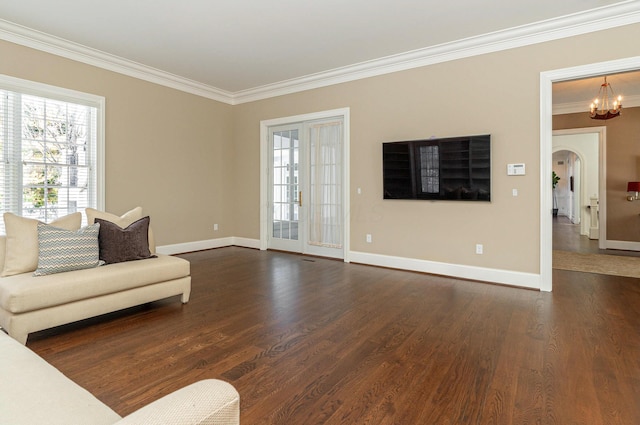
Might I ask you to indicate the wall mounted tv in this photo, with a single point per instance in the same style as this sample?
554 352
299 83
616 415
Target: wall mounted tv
455 168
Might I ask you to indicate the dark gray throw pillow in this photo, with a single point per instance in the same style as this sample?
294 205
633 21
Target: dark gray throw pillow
118 245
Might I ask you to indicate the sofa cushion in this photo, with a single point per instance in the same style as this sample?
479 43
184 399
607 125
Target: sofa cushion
34 392
63 250
206 402
128 244
23 292
123 221
21 249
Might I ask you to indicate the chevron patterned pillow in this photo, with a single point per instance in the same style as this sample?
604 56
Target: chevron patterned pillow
66 250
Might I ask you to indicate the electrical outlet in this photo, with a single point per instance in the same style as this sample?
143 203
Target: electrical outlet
215 227
368 238
479 248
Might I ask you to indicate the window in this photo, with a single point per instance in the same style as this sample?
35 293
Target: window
51 143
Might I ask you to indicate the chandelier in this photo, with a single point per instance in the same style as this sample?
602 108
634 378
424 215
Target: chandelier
600 108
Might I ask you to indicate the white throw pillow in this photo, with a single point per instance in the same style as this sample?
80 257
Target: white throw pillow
122 221
21 255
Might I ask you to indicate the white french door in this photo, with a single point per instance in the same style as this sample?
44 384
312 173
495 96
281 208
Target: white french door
285 189
305 187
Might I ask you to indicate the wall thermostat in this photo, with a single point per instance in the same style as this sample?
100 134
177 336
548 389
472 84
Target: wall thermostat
515 169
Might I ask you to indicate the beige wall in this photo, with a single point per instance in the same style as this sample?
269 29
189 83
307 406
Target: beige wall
161 142
495 93
166 150
623 165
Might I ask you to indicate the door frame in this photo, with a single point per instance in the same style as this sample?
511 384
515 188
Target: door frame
547 79
601 131
294 245
343 113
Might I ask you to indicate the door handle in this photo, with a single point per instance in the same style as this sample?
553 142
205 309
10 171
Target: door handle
300 198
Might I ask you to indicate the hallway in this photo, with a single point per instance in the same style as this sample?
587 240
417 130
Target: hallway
575 252
567 237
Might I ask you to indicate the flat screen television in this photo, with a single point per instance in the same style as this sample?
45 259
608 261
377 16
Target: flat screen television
454 169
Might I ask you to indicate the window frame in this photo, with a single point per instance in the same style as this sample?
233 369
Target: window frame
33 88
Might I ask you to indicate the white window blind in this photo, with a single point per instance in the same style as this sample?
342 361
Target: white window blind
48 153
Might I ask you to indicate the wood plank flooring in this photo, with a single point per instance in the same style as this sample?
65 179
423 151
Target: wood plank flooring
316 341
567 237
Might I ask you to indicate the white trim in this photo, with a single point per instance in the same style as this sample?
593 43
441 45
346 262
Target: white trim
539 32
546 200
623 245
46 90
72 96
598 19
100 163
601 131
546 128
264 184
346 183
557 147
246 242
503 277
38 40
345 113
577 107
181 248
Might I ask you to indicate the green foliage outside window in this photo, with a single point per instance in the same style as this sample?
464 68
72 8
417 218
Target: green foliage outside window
44 195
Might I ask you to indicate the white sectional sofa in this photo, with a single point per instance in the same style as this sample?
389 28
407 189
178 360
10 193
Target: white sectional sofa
34 392
31 303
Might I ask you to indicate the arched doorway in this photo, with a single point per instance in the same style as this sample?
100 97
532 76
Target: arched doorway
576 159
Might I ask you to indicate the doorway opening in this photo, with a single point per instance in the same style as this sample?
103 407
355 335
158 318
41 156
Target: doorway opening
580 193
546 129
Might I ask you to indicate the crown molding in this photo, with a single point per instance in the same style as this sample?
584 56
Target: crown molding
602 18
577 107
28 37
566 26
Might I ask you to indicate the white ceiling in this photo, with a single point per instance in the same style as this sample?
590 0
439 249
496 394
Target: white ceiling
242 45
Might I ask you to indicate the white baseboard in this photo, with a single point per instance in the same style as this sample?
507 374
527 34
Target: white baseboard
181 248
624 245
503 277
246 242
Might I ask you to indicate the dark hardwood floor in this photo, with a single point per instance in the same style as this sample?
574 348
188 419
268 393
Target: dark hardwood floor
317 341
567 237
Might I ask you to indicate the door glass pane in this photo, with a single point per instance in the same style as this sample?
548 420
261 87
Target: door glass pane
285 185
325 217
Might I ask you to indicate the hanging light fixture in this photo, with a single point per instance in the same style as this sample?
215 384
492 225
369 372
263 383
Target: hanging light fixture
600 108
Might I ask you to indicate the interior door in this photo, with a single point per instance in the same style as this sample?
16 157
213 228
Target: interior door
305 184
